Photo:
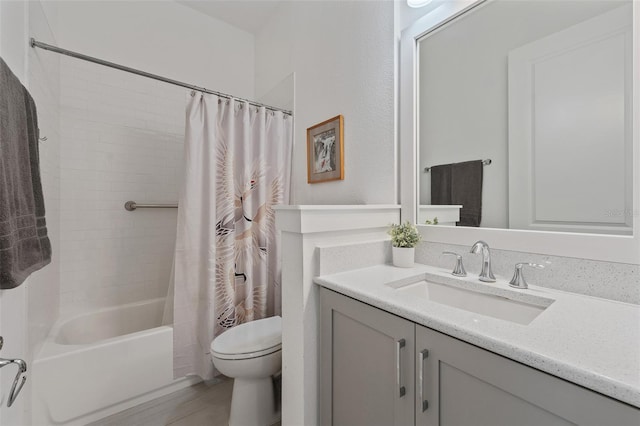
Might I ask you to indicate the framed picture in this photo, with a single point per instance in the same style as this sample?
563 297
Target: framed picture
325 151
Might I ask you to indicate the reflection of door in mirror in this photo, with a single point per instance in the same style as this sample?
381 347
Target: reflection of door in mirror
569 145
574 107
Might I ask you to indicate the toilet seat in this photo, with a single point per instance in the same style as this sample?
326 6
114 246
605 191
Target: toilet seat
248 354
250 340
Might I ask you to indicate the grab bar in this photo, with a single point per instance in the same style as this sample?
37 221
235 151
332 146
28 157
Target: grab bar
132 205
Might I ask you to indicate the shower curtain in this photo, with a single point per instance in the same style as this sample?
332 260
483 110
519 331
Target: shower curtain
237 167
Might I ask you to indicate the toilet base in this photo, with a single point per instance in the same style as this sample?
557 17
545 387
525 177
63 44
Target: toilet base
253 403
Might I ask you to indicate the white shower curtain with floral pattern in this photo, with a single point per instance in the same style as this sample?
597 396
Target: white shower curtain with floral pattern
237 167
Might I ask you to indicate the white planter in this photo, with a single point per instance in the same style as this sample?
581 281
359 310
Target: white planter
403 257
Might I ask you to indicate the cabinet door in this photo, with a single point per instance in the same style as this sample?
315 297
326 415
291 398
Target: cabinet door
465 385
367 375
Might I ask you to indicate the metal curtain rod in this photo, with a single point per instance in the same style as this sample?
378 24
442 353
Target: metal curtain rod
35 43
484 163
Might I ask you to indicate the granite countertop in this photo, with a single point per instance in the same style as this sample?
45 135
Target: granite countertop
586 340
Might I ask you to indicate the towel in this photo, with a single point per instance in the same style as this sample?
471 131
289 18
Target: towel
466 189
24 244
441 185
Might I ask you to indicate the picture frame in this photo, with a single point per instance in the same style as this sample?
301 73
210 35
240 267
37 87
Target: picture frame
325 151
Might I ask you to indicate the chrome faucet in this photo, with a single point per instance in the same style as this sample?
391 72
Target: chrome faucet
485 273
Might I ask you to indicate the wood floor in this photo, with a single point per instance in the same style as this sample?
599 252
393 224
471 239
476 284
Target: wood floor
204 404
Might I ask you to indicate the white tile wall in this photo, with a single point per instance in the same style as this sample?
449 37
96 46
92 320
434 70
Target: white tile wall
43 287
122 139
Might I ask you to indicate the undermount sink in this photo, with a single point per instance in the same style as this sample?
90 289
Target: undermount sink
474 301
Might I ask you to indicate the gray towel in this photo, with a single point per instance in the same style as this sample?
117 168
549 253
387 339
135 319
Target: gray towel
24 245
466 189
441 185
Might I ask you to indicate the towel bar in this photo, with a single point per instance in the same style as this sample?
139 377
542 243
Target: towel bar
484 163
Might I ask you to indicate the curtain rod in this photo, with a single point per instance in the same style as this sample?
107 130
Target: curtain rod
34 43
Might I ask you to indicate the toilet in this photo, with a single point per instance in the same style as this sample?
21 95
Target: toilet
251 354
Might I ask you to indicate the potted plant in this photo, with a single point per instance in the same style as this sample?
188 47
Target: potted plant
404 238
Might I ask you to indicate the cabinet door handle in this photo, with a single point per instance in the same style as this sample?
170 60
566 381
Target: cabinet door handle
424 354
399 345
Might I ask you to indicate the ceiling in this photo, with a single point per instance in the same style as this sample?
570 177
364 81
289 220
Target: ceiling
252 15
248 15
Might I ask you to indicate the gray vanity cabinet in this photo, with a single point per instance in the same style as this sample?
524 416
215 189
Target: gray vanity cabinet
367 360
466 385
446 381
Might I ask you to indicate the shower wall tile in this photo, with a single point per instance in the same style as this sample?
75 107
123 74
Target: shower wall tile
43 286
122 139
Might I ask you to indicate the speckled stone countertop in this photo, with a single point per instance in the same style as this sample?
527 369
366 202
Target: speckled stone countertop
586 340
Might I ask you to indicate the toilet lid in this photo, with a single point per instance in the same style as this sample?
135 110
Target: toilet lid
251 337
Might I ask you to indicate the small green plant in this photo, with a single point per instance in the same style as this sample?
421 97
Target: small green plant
431 222
404 235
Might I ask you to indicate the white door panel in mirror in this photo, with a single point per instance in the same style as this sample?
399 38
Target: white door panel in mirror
560 115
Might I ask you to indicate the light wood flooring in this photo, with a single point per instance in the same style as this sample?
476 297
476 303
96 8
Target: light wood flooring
203 404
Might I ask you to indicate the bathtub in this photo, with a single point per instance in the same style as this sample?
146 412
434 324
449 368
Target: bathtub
98 363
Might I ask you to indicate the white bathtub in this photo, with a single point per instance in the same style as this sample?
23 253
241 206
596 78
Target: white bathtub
98 363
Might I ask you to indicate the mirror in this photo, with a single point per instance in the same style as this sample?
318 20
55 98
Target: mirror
524 117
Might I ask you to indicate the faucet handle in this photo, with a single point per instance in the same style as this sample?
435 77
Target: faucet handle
458 270
518 280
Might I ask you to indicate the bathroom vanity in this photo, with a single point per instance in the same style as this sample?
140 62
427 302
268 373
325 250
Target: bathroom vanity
418 346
